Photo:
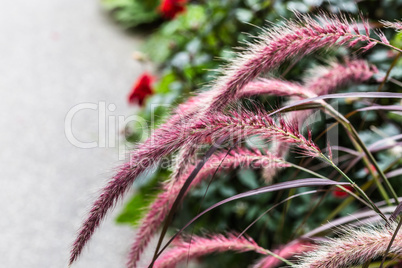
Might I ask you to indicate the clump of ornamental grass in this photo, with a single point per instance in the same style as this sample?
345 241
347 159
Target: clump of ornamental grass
159 209
337 75
213 118
240 125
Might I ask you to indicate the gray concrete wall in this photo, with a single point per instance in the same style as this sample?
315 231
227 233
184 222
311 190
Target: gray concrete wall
55 54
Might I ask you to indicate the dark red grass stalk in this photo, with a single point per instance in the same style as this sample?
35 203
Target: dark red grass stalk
325 80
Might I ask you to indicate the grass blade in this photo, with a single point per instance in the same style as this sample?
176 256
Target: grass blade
381 95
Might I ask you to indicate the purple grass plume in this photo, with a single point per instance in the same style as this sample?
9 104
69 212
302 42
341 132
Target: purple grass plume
396 25
242 124
321 80
354 247
280 43
274 87
160 208
200 246
198 121
324 80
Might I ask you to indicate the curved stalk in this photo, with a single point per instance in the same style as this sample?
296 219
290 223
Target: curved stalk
322 177
384 44
360 146
358 189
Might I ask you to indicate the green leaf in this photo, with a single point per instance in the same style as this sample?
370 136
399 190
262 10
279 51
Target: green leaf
137 207
395 116
227 191
163 84
158 47
248 178
397 40
244 15
132 13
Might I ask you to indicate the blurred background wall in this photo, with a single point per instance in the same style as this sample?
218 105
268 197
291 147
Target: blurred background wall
55 54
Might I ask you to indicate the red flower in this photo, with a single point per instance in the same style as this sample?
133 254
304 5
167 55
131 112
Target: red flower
170 8
141 89
341 194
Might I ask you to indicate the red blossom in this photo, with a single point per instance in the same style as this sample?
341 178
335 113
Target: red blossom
341 194
141 89
170 8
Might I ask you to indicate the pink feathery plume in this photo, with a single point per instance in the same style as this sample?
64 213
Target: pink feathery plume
275 87
277 45
397 25
163 142
199 246
286 252
324 80
261 86
319 81
280 43
242 124
355 246
239 125
161 206
189 110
